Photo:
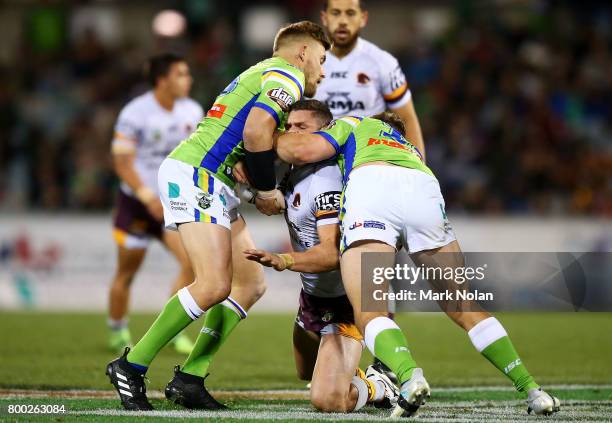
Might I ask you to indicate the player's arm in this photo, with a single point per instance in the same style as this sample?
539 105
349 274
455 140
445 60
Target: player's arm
413 128
299 149
323 257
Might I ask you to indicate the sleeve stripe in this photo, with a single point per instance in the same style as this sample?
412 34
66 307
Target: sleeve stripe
329 139
351 120
397 93
326 215
328 221
269 110
288 75
286 82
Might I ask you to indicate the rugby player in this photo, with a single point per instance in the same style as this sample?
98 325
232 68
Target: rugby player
392 198
361 78
196 187
148 128
326 343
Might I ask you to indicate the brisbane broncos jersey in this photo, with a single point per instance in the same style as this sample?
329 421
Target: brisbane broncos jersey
365 82
272 85
360 140
312 193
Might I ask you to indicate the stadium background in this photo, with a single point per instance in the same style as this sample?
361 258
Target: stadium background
514 98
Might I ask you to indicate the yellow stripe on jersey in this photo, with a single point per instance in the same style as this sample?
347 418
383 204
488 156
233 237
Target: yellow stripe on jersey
397 93
350 120
275 76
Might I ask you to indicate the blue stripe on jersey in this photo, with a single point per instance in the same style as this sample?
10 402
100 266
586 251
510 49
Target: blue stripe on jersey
211 185
195 176
329 139
349 155
288 75
228 140
269 110
196 215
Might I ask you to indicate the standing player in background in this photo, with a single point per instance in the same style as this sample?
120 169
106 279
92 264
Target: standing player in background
197 190
148 128
361 78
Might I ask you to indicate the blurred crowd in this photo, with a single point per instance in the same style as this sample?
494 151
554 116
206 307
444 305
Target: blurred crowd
516 110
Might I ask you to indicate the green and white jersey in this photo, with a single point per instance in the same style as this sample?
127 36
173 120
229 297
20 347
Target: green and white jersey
216 145
360 140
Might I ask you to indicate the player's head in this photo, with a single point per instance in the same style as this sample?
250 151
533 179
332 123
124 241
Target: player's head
393 120
308 116
169 72
304 44
344 20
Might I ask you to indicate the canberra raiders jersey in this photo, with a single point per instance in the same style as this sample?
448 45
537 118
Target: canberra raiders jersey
365 82
360 140
312 193
145 128
216 145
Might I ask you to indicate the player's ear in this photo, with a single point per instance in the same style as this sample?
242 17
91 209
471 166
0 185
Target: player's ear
364 18
302 52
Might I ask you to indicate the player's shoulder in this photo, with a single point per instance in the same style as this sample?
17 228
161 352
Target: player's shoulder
138 106
347 119
327 169
381 57
277 64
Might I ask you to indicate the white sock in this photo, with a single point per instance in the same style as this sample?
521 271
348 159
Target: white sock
235 307
379 390
189 304
376 326
486 332
362 392
116 325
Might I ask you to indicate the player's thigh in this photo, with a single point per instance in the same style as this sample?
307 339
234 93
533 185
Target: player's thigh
172 241
337 359
305 348
350 267
209 249
129 261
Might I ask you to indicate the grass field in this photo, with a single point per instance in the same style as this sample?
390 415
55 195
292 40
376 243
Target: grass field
55 358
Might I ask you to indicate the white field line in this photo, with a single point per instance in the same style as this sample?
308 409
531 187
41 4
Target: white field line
281 394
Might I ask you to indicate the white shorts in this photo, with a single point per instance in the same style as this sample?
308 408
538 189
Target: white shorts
394 205
190 194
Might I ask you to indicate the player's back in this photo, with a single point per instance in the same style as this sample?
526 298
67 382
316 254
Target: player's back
151 132
217 144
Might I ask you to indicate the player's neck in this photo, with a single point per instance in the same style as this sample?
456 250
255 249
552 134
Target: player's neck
343 51
164 99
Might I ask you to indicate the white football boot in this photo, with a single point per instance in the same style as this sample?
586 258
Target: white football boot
413 394
375 374
542 403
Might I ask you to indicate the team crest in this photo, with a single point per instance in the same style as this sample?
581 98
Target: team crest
327 316
362 78
204 200
280 97
297 199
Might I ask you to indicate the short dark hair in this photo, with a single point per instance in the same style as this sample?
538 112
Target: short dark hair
320 109
361 4
159 65
301 29
393 120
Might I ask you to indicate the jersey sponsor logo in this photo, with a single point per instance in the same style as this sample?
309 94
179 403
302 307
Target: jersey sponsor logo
280 97
342 102
362 78
216 111
297 200
231 86
174 190
329 200
341 75
372 224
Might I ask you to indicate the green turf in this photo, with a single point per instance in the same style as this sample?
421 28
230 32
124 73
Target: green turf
53 350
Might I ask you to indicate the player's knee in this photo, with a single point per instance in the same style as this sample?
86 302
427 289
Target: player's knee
329 400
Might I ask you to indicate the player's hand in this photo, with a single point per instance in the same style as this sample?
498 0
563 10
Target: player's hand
270 202
156 209
279 262
240 173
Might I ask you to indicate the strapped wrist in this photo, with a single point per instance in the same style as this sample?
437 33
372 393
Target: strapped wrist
287 259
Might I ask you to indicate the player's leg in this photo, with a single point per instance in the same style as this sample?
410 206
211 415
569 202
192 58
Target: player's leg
248 286
128 263
305 349
172 242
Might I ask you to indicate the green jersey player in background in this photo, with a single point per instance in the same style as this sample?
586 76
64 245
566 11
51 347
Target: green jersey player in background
196 188
392 198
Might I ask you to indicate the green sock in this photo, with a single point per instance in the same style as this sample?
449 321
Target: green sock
390 347
219 323
502 355
168 324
